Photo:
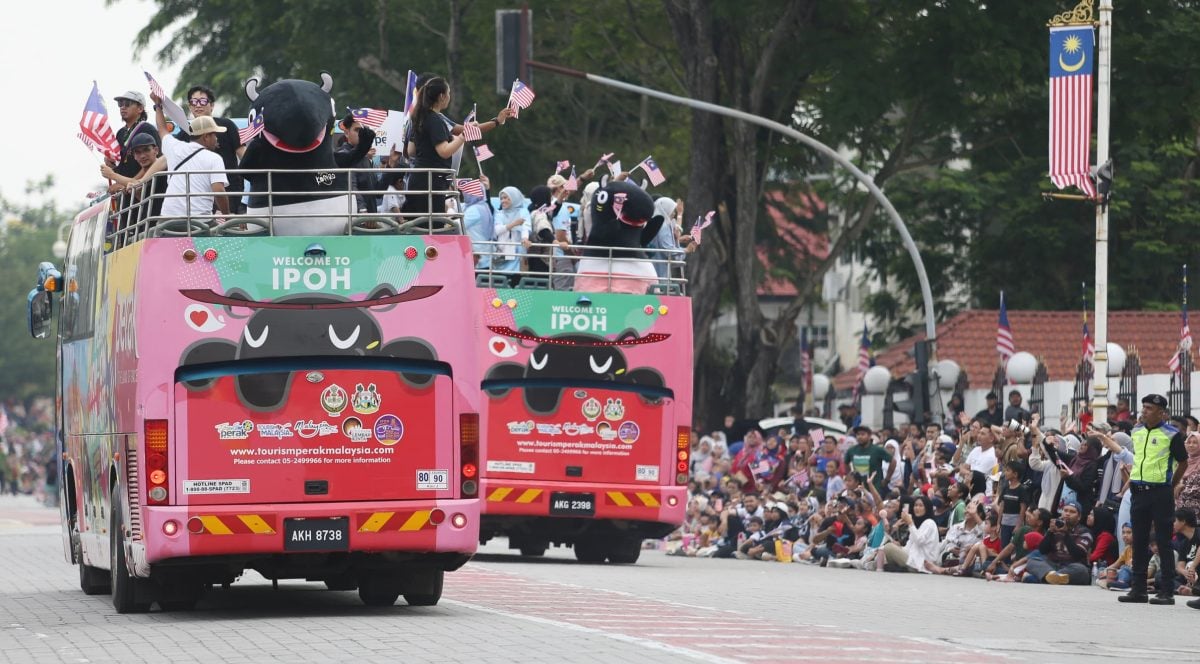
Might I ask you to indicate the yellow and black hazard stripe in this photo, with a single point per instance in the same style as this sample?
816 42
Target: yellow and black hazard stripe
382 522
237 524
508 494
631 499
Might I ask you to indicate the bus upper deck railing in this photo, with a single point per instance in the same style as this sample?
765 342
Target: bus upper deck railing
136 211
584 268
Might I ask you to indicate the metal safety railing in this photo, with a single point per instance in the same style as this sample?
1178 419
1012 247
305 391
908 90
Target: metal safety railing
136 213
563 266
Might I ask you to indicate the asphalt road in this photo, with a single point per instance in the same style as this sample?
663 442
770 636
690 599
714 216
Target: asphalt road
502 608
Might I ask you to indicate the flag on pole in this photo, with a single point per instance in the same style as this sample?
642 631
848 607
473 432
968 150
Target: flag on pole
471 130
520 97
614 167
410 92
471 187
572 182
372 117
483 153
562 165
603 159
1072 50
701 224
173 111
1185 332
254 126
94 128
651 169
1004 335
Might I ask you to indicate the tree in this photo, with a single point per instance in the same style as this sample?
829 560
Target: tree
26 364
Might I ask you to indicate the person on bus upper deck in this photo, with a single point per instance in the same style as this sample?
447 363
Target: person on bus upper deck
132 107
432 146
479 224
560 219
512 228
542 210
667 237
144 148
201 100
358 151
455 128
199 155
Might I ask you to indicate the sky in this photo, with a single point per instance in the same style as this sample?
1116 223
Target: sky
47 77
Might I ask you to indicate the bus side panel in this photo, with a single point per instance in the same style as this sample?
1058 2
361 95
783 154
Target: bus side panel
585 392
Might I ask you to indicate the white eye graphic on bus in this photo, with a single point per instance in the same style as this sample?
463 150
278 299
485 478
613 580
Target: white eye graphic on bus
262 336
537 364
601 368
343 344
199 318
501 347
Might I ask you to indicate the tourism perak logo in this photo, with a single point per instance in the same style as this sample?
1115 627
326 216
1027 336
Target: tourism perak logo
234 430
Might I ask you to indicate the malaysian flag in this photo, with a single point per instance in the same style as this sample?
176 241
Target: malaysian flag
1089 347
614 167
483 153
1004 335
562 165
520 97
93 127
1185 332
372 117
173 111
471 130
410 92
572 182
254 126
701 224
1071 53
651 168
470 187
604 158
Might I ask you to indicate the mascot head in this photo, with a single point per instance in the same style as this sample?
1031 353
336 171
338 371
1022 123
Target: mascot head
296 116
622 216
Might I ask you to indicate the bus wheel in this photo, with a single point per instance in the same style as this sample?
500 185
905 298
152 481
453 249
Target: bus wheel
342 582
92 580
381 592
625 550
123 586
427 590
534 548
590 550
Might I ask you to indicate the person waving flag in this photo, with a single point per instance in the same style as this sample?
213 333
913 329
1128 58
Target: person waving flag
521 97
651 169
410 92
483 153
372 117
94 129
471 130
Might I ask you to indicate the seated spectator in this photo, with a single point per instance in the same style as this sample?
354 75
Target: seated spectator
1103 524
922 547
960 538
980 555
1036 520
1065 551
1018 570
1118 575
1186 543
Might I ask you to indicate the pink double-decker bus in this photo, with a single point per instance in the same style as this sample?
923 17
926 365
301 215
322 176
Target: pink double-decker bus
233 398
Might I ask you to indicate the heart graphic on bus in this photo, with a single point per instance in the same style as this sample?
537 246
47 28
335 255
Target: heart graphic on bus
199 318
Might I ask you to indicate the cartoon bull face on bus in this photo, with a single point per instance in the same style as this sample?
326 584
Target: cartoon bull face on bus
568 358
304 325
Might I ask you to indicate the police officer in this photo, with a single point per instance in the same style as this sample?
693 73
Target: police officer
1158 464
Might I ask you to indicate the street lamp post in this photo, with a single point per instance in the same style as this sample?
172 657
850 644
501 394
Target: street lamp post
59 248
1100 358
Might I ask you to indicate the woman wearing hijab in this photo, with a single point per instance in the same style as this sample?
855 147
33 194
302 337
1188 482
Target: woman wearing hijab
702 459
1084 474
480 226
1187 494
919 554
667 238
511 226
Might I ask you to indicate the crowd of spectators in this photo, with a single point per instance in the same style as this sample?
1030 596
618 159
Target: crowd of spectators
28 464
985 497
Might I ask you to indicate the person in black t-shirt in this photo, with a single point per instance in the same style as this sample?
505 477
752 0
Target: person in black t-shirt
1012 497
132 107
229 144
432 146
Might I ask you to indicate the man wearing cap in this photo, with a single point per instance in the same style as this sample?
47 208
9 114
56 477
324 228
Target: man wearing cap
191 194
1159 461
132 107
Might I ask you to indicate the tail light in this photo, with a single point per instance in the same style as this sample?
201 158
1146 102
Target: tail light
468 448
683 452
157 474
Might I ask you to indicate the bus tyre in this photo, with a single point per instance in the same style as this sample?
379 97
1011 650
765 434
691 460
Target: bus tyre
381 592
124 587
625 550
534 549
426 590
342 582
92 580
590 550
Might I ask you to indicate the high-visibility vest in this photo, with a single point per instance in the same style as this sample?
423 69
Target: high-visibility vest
1152 462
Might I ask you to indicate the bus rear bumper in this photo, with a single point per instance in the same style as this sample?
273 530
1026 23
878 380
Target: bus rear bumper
431 526
661 504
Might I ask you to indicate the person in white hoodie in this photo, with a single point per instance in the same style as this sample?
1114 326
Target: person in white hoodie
1044 458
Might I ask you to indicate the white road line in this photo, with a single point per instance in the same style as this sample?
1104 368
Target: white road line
625 638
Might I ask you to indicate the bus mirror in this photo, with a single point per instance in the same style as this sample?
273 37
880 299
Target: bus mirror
583 301
41 308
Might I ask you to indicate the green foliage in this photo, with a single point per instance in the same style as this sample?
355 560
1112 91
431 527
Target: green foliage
26 364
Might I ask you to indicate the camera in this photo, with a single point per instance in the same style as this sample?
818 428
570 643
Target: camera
1015 425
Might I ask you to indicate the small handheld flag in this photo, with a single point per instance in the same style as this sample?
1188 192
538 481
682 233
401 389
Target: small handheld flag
614 168
470 187
94 128
572 182
410 92
372 117
471 130
651 169
562 166
170 108
603 159
521 97
701 224
483 153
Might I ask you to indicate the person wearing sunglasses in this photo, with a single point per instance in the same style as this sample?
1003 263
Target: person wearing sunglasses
132 106
201 100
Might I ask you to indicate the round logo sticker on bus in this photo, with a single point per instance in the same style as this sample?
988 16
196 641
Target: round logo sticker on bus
334 400
389 429
591 409
353 428
628 432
